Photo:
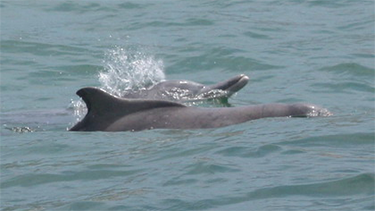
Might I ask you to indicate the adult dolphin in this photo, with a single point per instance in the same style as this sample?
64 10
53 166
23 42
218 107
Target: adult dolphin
109 113
183 90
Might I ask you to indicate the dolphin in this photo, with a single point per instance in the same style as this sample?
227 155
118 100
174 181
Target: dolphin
183 90
109 113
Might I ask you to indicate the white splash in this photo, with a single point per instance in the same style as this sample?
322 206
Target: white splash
79 108
124 71
318 111
128 70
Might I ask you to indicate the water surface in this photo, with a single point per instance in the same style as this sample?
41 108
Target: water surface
320 52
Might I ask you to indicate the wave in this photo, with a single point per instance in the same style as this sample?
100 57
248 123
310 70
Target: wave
350 69
361 184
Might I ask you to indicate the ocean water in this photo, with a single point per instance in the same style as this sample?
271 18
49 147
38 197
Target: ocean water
314 51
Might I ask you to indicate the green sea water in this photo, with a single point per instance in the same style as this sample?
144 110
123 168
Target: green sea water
314 51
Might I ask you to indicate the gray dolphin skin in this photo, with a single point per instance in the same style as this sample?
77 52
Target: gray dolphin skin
109 113
183 90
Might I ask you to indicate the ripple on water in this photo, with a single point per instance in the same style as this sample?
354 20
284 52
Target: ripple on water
247 152
360 186
350 69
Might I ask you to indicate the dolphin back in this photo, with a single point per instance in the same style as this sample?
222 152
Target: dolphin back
104 108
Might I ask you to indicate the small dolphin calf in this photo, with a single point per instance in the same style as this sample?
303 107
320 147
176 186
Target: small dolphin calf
182 90
109 113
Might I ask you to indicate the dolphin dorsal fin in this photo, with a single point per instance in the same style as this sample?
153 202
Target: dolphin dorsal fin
100 102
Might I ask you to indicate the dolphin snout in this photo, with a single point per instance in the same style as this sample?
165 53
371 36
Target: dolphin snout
232 85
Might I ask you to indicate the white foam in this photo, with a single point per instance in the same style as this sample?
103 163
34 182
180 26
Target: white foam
129 70
317 111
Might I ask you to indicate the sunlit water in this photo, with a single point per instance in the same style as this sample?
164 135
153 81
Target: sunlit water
320 52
